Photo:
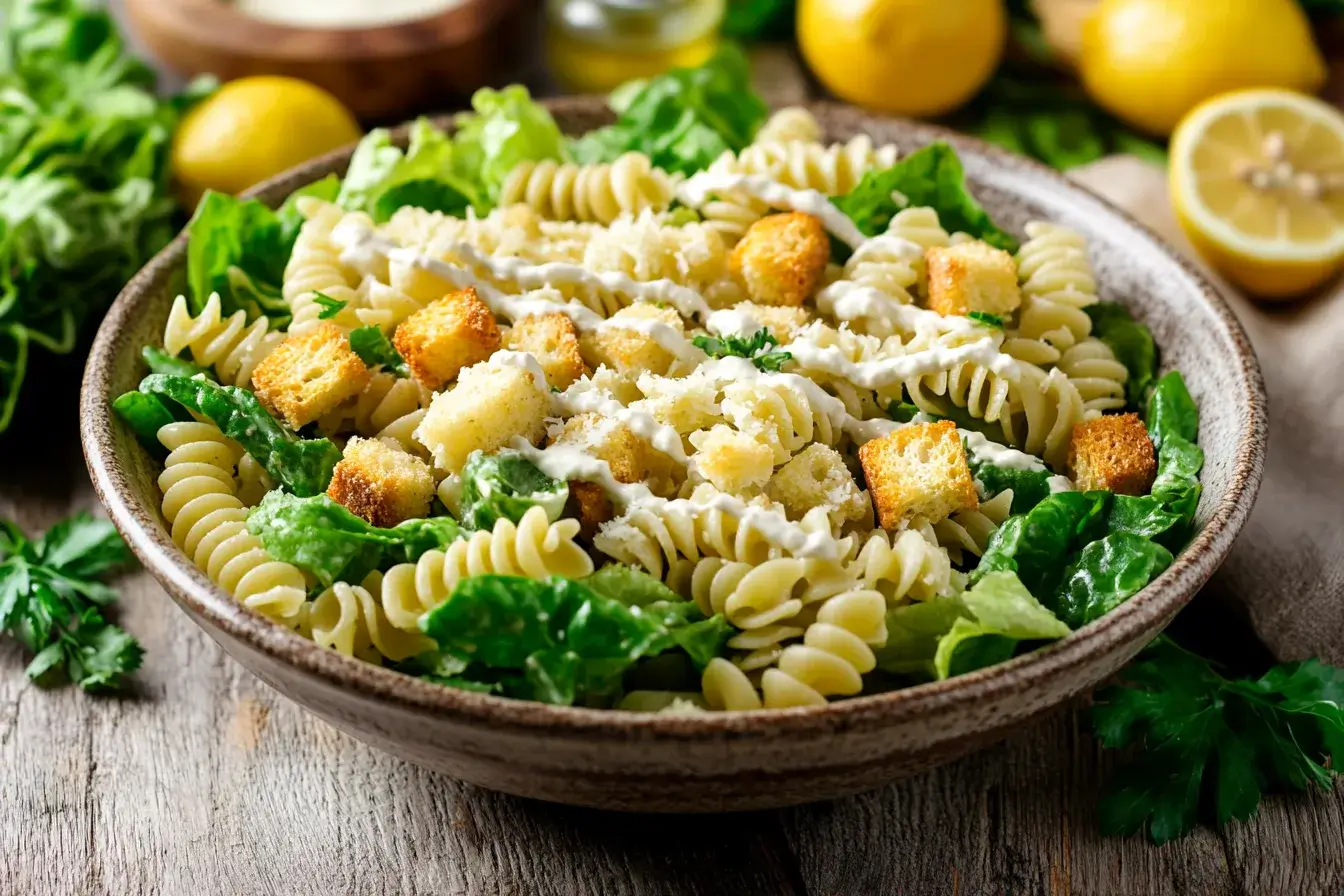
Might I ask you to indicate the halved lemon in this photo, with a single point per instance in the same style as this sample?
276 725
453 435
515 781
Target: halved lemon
1257 182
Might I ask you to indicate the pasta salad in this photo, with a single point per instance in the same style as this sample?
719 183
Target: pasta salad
720 416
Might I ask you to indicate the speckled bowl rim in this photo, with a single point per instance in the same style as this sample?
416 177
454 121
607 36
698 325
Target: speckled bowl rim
143 528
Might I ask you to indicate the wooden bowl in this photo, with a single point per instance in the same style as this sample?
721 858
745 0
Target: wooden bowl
393 70
726 761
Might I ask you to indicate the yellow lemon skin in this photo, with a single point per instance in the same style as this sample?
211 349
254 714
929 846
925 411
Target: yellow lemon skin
1149 62
1273 280
904 57
255 128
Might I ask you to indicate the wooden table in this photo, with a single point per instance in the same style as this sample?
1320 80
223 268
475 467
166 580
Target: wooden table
202 780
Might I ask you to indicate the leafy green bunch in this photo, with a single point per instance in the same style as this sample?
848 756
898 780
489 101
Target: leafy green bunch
51 600
760 348
84 198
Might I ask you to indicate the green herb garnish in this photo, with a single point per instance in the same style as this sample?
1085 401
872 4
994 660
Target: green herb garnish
376 350
986 319
51 601
330 307
756 347
1212 745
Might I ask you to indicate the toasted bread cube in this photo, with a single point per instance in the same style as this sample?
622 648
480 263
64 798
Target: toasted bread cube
627 454
817 477
782 321
1114 453
492 402
918 471
732 461
309 374
381 483
972 276
782 259
445 336
634 349
554 341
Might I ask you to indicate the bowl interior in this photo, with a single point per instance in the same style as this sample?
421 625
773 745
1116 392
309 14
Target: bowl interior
1194 329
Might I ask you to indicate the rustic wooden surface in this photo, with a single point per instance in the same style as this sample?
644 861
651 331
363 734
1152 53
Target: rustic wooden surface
204 781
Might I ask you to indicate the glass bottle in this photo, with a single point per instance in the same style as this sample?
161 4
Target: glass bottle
594 45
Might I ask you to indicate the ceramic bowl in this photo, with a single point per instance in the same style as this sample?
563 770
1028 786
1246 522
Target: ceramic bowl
730 761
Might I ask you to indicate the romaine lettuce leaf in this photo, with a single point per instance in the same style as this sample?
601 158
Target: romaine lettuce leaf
558 641
933 177
322 536
237 248
683 119
1173 425
1030 487
381 178
913 633
1036 545
303 466
376 350
505 127
1106 573
507 485
632 587
1000 613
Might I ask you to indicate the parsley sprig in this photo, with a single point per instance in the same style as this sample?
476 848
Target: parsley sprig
330 307
985 319
756 347
50 600
1212 744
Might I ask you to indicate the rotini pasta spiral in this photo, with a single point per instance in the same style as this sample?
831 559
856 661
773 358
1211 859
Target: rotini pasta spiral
907 565
973 388
832 169
350 620
777 414
789 125
769 602
1057 284
969 531
835 652
389 407
535 548
1092 368
653 536
228 344
253 481
601 193
209 522
315 267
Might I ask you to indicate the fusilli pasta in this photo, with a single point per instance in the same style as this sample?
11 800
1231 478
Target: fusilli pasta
601 193
230 345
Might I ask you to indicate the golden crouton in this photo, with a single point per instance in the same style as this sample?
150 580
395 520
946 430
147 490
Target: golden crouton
381 484
442 338
817 477
1114 453
492 402
731 460
309 374
554 341
972 277
782 258
782 321
634 349
627 454
918 471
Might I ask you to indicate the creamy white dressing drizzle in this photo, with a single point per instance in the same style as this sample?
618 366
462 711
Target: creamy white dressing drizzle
527 275
1060 484
846 300
696 192
731 322
639 421
569 462
883 372
525 361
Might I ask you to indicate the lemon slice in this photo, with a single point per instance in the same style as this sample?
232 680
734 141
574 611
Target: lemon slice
1257 181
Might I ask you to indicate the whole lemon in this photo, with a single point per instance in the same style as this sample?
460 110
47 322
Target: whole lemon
1151 61
904 57
254 128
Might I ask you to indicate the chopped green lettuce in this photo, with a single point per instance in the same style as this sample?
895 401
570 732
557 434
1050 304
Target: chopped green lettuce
507 485
322 536
1173 424
303 466
1036 545
1029 487
683 119
632 587
376 350
1002 613
932 177
1106 573
506 127
558 641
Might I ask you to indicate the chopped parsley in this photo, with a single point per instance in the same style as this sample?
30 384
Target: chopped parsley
984 318
757 348
330 307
